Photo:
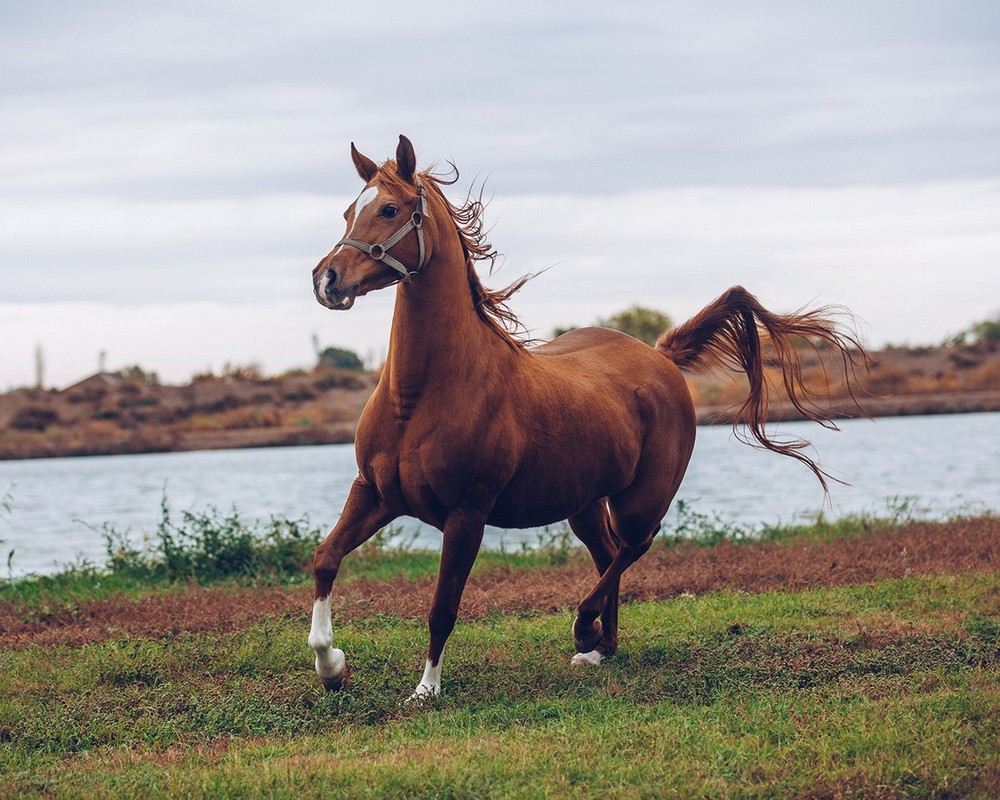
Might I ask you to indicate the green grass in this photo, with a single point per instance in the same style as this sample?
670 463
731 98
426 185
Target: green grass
889 689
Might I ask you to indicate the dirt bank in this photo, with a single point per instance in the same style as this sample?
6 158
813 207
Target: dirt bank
915 549
108 414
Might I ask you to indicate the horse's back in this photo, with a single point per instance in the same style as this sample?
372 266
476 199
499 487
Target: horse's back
608 356
603 413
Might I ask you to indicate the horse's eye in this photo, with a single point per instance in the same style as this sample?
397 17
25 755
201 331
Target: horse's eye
389 211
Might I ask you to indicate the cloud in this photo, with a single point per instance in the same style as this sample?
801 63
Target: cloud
173 156
890 254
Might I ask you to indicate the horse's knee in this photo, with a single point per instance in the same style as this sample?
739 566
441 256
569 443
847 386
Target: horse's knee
327 556
326 565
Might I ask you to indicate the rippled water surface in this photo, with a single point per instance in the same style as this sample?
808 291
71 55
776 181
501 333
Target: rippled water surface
948 464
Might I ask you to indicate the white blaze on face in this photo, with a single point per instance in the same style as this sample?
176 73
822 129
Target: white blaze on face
366 197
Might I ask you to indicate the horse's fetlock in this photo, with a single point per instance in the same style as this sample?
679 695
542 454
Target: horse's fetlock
586 638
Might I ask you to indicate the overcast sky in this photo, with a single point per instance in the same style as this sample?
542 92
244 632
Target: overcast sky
171 172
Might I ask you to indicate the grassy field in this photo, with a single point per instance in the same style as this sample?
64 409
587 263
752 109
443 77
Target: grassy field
885 689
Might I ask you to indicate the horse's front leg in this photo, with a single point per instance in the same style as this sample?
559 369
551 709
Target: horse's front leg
463 535
364 513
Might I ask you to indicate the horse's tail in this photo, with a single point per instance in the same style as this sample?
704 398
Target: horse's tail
727 333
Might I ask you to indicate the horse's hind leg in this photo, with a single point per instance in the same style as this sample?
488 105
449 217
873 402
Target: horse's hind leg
364 513
592 527
588 633
635 516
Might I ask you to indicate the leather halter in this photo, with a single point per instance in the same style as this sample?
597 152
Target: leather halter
380 252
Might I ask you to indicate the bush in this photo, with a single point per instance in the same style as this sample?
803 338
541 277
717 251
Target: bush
341 358
209 546
137 375
644 324
986 331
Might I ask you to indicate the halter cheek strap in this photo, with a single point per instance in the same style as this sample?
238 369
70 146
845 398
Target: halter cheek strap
380 252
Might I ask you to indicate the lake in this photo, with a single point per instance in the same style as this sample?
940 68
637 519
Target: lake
948 464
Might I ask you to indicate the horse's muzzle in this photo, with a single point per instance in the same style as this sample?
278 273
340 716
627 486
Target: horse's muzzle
329 295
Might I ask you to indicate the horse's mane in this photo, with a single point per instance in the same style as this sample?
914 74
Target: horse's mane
490 304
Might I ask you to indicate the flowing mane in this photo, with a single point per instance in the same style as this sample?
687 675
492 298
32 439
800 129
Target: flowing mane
491 304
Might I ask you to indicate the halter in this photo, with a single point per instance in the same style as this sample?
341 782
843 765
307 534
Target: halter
380 252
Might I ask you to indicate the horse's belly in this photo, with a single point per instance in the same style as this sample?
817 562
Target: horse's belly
529 517
545 496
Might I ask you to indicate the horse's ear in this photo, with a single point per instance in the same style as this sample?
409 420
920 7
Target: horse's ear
406 159
365 166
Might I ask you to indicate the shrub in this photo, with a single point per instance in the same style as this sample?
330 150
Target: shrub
243 372
986 331
209 546
341 358
645 324
136 374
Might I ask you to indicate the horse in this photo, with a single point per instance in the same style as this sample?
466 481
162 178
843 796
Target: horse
471 424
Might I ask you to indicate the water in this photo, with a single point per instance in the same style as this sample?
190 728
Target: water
949 464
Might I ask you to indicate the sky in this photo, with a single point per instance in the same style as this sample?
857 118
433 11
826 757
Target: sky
170 173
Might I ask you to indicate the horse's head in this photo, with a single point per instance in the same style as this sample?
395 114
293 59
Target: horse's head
385 240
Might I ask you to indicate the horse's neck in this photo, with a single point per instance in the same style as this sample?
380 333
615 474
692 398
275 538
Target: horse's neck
438 342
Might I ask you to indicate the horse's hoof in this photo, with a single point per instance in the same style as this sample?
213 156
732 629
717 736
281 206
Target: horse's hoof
339 682
590 659
593 639
421 695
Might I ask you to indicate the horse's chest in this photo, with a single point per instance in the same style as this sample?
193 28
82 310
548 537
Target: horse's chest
428 471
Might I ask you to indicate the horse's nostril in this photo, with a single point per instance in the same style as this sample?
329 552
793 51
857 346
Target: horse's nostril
331 281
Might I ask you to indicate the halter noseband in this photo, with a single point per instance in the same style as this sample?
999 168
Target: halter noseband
380 252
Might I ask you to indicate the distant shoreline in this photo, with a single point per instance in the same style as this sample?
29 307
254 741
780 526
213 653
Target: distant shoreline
894 406
110 414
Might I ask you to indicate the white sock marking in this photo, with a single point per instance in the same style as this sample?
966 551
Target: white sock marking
430 683
329 661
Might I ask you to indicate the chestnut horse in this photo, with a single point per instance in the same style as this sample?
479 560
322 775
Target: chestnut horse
469 426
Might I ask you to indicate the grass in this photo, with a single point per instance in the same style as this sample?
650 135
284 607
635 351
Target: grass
889 689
